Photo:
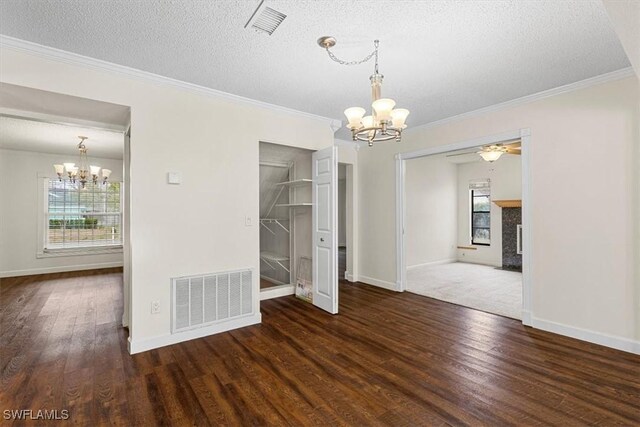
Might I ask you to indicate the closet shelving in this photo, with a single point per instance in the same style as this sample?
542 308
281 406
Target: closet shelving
296 182
292 184
294 205
271 257
276 221
285 217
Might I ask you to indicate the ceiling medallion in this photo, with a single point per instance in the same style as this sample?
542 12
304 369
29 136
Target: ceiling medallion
385 122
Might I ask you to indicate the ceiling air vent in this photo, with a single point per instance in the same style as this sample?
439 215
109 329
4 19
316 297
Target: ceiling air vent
265 19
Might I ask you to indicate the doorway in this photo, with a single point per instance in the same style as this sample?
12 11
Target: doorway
452 226
342 221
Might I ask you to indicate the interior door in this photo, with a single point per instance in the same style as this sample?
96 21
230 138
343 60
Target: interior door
325 229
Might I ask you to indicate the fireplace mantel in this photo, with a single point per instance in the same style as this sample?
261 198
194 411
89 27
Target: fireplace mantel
508 203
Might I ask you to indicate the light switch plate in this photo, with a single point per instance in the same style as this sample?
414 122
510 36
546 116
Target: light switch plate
174 178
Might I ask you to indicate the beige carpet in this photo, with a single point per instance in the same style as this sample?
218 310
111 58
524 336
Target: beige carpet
477 286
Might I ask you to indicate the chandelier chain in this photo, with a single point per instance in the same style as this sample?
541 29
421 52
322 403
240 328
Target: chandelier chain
362 61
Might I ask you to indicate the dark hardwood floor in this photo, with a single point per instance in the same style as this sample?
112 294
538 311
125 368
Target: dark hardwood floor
386 359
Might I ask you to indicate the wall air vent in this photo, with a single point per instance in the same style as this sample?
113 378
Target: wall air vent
199 301
265 19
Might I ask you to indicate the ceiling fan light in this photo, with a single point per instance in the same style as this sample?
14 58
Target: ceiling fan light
354 116
382 108
398 117
491 156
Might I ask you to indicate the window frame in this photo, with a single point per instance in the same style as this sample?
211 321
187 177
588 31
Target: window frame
473 211
43 228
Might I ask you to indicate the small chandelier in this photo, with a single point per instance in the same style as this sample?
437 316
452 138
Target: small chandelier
385 123
81 172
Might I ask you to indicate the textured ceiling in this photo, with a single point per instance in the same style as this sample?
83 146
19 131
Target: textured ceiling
439 58
28 135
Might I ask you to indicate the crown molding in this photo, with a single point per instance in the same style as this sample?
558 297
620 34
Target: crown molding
98 64
582 84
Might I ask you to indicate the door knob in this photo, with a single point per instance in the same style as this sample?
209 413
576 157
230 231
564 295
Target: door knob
322 239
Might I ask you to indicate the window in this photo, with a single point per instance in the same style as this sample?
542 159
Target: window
82 218
480 213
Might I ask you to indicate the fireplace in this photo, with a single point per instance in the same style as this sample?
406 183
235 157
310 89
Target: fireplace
511 234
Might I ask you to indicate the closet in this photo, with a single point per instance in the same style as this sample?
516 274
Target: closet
285 220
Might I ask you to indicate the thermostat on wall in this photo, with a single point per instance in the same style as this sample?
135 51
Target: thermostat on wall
174 178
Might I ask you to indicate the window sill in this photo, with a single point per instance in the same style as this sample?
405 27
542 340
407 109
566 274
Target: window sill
96 250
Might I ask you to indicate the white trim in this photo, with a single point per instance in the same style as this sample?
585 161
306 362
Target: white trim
63 121
60 269
138 346
401 220
379 283
582 84
619 343
97 64
350 277
463 145
277 292
527 233
525 137
427 264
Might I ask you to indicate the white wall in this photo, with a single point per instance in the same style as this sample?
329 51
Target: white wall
198 226
431 211
506 184
19 196
583 143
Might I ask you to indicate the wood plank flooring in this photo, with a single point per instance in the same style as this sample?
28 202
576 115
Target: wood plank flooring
386 359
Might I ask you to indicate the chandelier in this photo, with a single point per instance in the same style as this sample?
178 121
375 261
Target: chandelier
81 172
385 122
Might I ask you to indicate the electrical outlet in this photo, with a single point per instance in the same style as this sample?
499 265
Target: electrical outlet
247 221
155 307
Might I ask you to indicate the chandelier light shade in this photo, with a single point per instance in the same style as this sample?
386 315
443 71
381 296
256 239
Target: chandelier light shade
385 123
81 173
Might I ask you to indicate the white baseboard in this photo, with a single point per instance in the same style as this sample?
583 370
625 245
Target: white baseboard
426 264
60 269
350 277
379 283
277 292
138 346
526 318
619 343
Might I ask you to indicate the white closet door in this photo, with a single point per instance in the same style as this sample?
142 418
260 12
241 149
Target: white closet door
325 229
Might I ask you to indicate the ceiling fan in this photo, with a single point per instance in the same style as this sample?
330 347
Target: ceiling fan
491 153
